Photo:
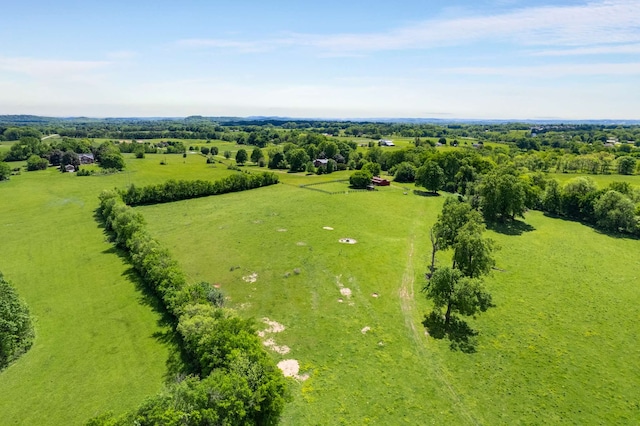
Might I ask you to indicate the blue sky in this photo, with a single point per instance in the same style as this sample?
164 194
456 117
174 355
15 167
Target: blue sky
337 59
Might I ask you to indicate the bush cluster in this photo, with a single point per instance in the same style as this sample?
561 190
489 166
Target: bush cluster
175 190
236 382
16 330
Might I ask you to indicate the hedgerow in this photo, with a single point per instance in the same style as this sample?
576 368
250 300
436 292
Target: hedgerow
236 382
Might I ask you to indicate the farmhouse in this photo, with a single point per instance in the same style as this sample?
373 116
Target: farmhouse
376 180
320 162
86 158
385 142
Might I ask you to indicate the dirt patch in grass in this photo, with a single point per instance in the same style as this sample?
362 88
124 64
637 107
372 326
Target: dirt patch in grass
251 278
271 344
291 368
346 292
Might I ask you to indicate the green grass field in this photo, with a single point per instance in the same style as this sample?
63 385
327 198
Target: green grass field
99 345
559 347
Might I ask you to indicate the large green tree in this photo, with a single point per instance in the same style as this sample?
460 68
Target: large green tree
16 330
5 171
615 212
626 165
430 176
502 196
451 290
297 159
241 156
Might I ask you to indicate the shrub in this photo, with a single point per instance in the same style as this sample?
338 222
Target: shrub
34 162
405 172
16 330
360 179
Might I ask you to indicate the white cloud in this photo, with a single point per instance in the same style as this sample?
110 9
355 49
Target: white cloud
595 23
623 49
49 67
552 71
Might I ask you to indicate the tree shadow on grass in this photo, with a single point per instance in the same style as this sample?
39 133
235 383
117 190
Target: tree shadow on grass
425 193
461 337
179 363
512 227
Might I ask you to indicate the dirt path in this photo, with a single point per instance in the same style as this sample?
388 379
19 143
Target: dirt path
407 303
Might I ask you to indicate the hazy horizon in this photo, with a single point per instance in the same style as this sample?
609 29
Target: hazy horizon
481 60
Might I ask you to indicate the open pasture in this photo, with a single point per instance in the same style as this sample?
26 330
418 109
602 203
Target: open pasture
99 343
559 347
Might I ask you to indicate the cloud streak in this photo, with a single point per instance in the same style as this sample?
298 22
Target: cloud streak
594 23
34 67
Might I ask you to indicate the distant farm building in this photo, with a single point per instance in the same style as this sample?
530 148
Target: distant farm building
385 142
376 180
69 168
318 162
86 158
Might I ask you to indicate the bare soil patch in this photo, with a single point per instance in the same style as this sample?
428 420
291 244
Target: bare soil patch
291 368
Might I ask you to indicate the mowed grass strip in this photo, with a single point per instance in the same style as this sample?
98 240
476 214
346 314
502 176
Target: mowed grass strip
559 347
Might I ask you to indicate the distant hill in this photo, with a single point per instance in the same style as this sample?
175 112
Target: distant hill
22 119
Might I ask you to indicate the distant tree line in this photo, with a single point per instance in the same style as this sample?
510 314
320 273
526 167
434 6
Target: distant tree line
233 380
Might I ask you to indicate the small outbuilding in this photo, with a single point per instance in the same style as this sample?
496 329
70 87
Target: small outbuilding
376 180
69 168
318 162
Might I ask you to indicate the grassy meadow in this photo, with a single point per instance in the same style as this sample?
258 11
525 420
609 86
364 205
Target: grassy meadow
559 347
99 343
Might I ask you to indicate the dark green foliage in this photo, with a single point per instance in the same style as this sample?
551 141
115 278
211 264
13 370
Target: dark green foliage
36 163
205 150
430 176
242 156
5 171
373 168
69 157
405 172
297 159
84 172
502 196
277 161
626 165
214 150
256 155
16 330
458 288
360 179
615 212
173 190
451 289
112 160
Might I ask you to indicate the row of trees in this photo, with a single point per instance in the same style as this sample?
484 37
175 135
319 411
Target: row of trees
459 288
175 190
233 380
16 328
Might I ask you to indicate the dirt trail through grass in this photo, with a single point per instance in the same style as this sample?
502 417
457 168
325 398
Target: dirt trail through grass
407 303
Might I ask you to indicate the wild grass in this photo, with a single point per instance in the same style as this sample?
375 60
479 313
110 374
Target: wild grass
559 347
100 345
